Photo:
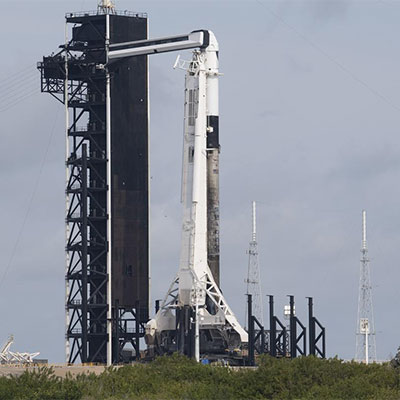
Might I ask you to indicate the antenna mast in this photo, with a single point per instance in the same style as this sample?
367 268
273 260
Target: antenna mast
365 333
253 273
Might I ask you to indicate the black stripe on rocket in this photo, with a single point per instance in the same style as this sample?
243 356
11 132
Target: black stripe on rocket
213 132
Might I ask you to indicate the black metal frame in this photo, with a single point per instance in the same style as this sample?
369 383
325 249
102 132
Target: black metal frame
251 336
185 331
295 339
127 330
317 342
86 191
258 337
278 344
278 341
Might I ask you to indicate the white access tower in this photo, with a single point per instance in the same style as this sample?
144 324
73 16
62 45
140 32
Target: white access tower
365 333
253 273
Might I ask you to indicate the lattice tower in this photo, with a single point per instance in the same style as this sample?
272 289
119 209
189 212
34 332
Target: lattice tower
365 333
253 274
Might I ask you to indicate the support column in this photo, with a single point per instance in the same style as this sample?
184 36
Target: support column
311 326
109 206
250 329
293 330
272 328
84 261
137 330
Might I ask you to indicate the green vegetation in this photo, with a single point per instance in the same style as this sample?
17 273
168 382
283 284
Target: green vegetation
177 377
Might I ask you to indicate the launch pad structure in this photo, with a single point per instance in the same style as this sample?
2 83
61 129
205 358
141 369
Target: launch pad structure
107 206
100 75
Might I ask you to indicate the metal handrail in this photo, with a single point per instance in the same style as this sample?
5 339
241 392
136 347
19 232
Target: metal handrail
100 12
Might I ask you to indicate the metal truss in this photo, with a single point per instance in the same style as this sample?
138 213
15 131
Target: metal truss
72 78
253 273
76 77
211 289
14 357
127 333
365 332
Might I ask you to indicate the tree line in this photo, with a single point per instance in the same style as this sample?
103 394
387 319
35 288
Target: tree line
177 377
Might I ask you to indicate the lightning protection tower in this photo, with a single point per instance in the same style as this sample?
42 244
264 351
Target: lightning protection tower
365 334
253 274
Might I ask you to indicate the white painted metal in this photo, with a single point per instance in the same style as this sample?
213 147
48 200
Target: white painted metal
10 357
149 174
365 333
194 39
286 311
364 329
364 230
106 5
212 68
254 237
253 273
366 346
195 281
194 272
109 207
197 331
194 197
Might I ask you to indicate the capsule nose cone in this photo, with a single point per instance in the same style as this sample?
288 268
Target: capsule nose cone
213 42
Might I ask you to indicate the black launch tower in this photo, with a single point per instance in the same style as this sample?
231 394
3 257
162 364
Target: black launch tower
107 201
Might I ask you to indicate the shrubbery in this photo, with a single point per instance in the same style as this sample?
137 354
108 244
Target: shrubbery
177 377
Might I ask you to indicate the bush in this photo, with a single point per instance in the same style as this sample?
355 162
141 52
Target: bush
177 377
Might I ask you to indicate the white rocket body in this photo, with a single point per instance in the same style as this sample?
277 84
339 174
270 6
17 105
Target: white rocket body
196 285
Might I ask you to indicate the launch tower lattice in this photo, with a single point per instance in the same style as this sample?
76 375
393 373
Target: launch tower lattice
253 274
107 196
365 334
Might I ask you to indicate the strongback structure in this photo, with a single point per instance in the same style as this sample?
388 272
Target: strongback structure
365 333
253 273
107 200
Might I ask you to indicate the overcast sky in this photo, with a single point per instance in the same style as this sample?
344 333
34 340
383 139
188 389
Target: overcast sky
310 112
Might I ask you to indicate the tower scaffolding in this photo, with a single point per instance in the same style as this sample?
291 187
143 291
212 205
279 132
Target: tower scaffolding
107 185
365 333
